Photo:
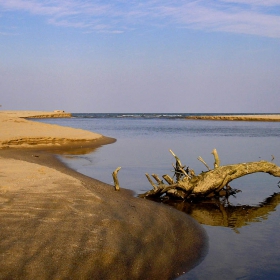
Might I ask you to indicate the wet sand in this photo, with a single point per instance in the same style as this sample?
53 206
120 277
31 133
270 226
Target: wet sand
262 118
59 224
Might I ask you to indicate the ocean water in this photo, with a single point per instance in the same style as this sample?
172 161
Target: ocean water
244 240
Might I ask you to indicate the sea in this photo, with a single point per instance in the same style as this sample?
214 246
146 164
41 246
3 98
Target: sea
243 232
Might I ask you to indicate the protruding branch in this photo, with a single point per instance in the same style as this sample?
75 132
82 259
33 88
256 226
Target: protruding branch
116 180
217 159
168 179
177 159
184 172
202 160
179 169
155 176
151 182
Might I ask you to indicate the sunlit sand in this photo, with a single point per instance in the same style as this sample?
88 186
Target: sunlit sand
58 224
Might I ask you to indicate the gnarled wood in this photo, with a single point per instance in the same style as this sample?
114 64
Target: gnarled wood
213 182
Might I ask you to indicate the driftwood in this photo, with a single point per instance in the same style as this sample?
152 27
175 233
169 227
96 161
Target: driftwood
115 178
212 183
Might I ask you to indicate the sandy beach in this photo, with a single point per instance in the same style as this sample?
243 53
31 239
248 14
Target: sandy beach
262 118
16 131
59 224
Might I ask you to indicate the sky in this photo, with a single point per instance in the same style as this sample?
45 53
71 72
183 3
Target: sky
140 56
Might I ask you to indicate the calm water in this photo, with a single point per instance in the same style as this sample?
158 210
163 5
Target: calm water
244 240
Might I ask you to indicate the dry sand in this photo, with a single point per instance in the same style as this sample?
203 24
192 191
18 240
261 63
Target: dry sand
19 132
59 224
37 114
263 118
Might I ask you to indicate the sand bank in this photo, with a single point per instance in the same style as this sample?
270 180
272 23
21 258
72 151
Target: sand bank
262 118
16 131
59 224
37 114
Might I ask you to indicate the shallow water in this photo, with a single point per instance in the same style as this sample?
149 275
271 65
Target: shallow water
243 236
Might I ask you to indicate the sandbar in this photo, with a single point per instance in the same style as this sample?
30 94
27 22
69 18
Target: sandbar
255 117
59 224
18 132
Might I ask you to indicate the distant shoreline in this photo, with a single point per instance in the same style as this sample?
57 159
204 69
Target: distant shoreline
37 114
261 118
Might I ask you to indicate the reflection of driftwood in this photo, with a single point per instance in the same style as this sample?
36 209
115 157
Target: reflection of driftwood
189 186
214 213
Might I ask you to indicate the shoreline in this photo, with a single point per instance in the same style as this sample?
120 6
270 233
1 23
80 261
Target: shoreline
37 114
57 223
257 117
18 131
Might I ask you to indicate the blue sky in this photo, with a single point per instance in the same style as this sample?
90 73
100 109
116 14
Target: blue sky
140 56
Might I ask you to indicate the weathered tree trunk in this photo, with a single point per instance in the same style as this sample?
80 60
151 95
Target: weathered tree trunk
215 180
210 183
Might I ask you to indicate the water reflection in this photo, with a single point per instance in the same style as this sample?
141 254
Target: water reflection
218 213
77 151
78 148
